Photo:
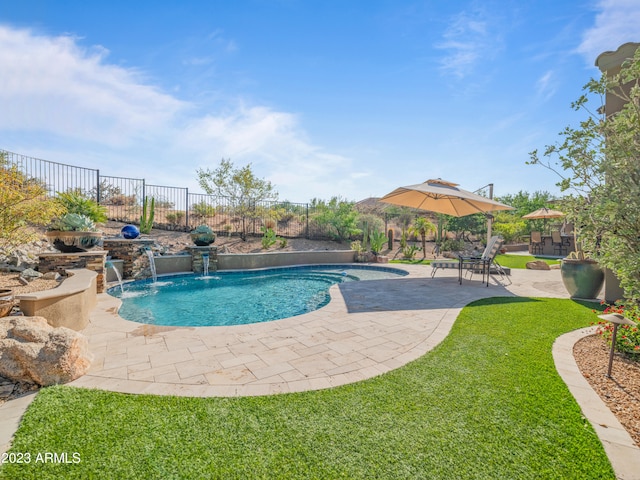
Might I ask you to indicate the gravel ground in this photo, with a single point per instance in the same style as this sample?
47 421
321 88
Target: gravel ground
621 393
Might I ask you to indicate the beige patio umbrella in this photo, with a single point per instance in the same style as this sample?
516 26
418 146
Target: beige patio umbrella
440 196
543 212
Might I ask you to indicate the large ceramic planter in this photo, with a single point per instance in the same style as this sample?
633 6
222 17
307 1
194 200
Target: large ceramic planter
6 301
73 242
203 239
582 278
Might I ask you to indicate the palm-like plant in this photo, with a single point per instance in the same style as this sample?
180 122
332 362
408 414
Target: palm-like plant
421 226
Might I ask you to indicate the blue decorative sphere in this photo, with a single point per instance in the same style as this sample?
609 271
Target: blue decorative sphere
130 232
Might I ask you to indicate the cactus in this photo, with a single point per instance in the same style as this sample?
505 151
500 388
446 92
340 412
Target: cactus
365 235
73 222
146 220
390 244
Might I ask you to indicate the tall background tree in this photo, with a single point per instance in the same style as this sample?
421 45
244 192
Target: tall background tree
599 163
241 187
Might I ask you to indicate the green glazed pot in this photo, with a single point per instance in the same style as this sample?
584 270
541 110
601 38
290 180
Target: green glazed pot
582 278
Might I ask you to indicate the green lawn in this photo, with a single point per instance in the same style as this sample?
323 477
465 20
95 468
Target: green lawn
511 261
520 261
485 404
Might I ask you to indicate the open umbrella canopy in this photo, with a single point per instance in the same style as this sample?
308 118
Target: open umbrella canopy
543 212
441 196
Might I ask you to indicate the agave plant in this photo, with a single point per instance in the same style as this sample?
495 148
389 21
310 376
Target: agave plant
202 229
73 222
202 235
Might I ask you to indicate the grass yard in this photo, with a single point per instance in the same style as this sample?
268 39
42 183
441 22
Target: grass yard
506 260
414 261
487 403
520 261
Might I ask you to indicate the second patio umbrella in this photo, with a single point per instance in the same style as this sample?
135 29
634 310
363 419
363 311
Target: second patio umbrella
543 213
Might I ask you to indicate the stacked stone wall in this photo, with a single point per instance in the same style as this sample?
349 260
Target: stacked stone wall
132 253
92 260
197 260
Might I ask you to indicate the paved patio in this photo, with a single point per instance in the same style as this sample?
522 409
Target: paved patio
367 329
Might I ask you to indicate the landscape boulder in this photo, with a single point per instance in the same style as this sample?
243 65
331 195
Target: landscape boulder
538 265
32 351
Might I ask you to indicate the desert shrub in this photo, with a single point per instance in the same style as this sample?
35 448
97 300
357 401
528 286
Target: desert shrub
75 202
203 209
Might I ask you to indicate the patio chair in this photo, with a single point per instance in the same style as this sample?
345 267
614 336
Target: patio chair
463 262
487 263
559 247
537 243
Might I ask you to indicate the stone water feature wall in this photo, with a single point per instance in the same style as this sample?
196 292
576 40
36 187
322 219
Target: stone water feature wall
197 260
132 253
92 260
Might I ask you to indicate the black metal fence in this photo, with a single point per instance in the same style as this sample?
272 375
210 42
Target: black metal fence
175 208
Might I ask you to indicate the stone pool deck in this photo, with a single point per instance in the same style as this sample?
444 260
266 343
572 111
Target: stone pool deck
367 329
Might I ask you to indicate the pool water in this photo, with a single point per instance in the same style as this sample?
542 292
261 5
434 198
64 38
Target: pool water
237 298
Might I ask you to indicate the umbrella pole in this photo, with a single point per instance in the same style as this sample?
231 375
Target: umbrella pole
489 217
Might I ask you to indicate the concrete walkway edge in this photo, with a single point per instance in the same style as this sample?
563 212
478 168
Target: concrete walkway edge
623 454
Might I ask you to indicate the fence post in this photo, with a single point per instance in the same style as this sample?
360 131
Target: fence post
98 186
186 206
307 229
144 191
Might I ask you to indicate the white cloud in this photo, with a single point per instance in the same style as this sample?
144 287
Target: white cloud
546 85
52 88
616 23
467 40
51 84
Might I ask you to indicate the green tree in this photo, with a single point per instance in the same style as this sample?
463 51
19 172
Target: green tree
23 203
510 223
471 224
240 185
421 226
606 214
337 217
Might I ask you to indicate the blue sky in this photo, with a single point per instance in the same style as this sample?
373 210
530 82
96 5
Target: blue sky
334 97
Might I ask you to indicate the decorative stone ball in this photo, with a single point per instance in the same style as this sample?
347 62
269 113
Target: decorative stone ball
130 232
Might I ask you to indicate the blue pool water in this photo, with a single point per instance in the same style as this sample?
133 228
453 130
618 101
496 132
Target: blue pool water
236 298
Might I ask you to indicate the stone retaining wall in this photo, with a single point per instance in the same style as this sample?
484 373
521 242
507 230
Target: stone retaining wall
131 252
235 261
197 261
60 262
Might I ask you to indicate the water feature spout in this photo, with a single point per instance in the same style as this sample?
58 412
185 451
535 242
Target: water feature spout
152 264
205 264
118 276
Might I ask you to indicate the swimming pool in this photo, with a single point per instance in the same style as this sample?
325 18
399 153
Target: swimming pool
237 298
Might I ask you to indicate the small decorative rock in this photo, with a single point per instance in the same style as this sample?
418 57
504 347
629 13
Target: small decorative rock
30 274
51 276
538 265
32 351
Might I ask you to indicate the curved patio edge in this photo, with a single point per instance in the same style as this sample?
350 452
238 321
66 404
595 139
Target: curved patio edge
622 452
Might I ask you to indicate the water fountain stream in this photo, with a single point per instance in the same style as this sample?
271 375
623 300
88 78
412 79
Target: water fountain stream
118 276
205 264
152 264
